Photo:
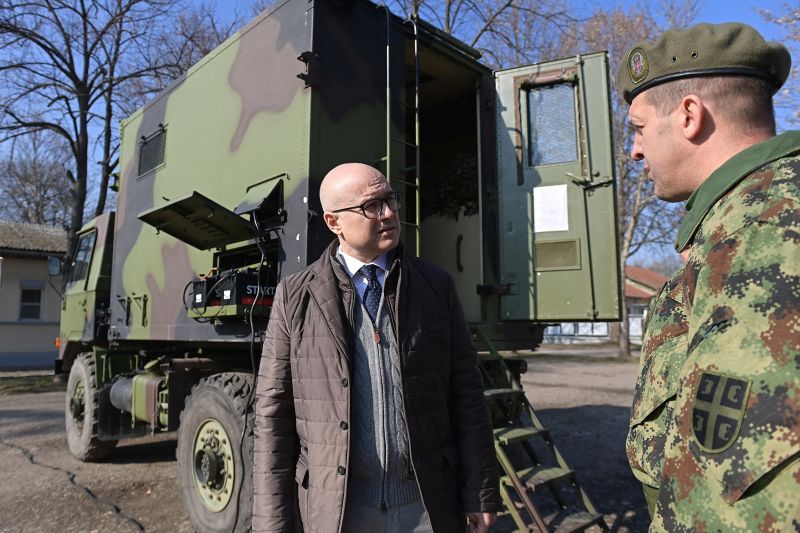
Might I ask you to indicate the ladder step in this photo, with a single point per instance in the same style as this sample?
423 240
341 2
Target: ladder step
409 224
570 522
511 435
407 143
488 356
501 394
405 182
537 476
404 103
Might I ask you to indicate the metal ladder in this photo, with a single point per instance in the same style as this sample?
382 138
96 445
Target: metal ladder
538 488
406 178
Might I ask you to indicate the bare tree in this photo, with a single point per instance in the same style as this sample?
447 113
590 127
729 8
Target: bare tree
787 101
63 63
75 67
33 183
181 42
508 32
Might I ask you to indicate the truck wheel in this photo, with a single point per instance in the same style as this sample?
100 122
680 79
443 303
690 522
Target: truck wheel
81 412
214 460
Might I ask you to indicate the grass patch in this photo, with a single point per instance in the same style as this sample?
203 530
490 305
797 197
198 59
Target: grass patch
25 384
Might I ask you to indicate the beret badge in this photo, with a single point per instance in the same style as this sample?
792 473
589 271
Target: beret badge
638 65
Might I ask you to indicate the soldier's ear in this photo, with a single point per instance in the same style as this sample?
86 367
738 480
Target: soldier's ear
332 221
692 116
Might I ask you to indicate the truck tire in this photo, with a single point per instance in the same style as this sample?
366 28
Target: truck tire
214 457
81 412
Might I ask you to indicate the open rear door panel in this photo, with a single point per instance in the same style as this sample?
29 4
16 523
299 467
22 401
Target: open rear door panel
558 239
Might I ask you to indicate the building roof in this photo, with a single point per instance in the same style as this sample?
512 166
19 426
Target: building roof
32 238
645 276
633 291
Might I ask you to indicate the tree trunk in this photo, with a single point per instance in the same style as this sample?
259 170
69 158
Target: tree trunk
613 332
624 341
624 334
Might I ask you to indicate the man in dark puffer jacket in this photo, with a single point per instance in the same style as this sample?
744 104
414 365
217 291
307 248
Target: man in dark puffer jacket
369 402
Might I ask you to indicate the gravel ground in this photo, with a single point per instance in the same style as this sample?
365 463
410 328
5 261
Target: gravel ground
582 397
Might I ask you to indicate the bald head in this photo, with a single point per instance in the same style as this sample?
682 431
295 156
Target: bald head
345 189
346 183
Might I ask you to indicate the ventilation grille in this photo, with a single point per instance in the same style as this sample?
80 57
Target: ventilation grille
151 151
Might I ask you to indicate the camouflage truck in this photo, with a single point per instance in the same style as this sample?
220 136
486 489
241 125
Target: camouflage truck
507 182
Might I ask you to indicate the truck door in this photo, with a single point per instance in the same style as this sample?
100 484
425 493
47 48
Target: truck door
559 248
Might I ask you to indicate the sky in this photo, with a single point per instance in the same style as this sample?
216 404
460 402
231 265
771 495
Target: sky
715 11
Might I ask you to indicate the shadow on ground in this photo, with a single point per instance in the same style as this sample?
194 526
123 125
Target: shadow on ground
592 440
131 452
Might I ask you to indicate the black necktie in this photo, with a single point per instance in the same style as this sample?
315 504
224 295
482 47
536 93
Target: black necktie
372 296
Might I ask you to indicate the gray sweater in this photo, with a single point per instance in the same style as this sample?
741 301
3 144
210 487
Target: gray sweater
380 466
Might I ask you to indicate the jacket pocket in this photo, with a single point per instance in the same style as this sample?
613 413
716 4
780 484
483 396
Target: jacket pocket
651 412
744 467
659 379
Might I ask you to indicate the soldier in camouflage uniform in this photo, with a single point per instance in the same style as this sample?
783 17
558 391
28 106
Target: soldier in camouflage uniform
715 424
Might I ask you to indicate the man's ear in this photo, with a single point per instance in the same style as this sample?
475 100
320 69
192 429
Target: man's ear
692 115
332 221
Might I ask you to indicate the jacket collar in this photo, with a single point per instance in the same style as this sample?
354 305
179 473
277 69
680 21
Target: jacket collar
332 290
727 176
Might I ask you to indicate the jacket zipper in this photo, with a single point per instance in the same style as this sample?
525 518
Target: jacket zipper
393 312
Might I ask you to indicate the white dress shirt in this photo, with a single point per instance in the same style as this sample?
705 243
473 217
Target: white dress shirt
353 266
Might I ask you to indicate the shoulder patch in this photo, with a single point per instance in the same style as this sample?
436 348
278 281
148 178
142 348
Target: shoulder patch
638 65
717 410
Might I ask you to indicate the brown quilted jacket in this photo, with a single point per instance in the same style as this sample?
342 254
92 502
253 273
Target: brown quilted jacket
303 399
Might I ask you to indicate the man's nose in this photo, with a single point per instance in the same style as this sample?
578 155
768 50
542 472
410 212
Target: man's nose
385 212
636 149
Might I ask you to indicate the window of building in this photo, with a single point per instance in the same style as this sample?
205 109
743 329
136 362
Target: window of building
30 301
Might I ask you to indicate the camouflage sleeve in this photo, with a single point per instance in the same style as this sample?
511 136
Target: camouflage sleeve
663 353
275 446
732 454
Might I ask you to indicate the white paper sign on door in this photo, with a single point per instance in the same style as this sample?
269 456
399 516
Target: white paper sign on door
550 211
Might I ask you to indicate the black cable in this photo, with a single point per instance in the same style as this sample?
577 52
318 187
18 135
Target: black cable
251 395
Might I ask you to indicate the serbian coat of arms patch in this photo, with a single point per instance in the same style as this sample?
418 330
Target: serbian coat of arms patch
718 409
638 65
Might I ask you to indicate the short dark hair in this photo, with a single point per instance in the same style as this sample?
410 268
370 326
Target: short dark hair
743 101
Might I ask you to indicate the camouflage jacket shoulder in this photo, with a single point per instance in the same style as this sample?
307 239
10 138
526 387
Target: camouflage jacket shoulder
732 449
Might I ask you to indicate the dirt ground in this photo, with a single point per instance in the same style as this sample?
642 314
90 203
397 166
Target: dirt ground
582 397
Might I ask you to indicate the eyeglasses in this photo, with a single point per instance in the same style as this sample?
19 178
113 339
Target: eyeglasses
373 208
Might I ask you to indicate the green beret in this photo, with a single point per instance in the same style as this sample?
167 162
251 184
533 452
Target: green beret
730 49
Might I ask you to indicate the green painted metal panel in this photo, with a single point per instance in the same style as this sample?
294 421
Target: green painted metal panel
558 235
199 221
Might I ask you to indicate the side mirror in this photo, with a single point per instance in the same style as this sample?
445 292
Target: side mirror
54 266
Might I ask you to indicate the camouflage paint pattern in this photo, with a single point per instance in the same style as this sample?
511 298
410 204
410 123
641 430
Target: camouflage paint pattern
237 118
731 456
